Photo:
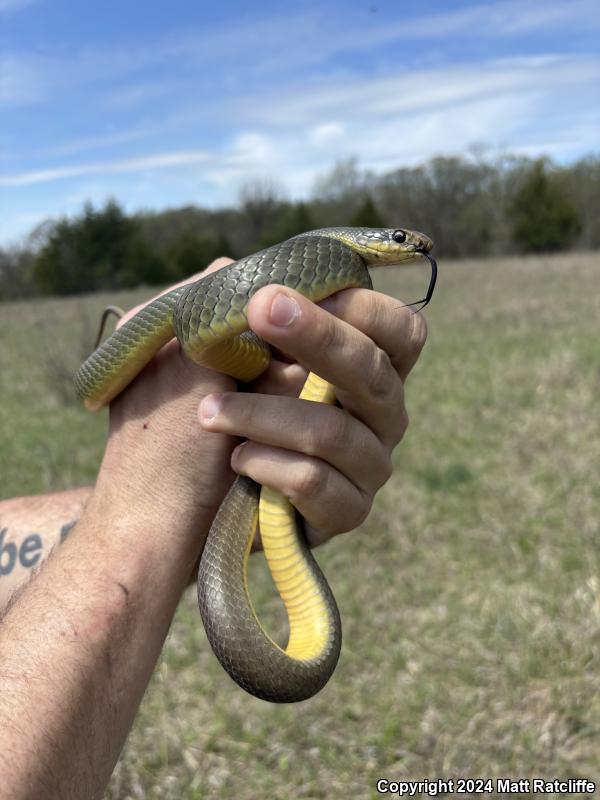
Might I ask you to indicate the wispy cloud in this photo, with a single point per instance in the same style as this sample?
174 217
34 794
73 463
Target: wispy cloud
187 114
257 48
506 18
394 117
22 80
422 90
157 161
96 142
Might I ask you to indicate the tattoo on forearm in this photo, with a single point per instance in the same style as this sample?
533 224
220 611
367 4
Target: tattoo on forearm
28 552
66 529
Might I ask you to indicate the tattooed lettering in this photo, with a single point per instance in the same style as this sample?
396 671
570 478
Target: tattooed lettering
29 552
66 529
8 554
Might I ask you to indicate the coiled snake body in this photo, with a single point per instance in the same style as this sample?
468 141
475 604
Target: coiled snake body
209 319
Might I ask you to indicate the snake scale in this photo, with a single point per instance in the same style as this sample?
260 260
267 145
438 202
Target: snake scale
209 319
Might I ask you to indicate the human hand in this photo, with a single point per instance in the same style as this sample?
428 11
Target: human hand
329 461
160 468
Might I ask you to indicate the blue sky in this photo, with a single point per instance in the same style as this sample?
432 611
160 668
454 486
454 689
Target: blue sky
161 104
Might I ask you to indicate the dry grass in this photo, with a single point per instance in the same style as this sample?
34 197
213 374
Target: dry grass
470 599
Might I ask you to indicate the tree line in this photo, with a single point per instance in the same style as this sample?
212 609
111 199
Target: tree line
470 207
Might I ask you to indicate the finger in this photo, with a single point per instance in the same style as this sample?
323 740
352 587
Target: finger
281 378
313 429
366 383
219 263
327 500
396 329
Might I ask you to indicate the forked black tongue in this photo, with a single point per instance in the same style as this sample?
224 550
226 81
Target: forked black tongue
434 270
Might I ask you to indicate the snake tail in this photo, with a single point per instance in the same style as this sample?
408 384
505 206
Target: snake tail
236 636
315 631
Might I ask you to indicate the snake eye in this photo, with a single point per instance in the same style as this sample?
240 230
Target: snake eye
399 236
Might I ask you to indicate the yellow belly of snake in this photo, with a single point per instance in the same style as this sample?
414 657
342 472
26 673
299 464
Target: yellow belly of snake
209 319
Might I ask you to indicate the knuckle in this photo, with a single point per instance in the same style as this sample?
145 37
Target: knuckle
336 429
327 528
310 480
326 433
372 312
402 423
398 423
387 469
341 517
352 518
328 335
239 409
363 510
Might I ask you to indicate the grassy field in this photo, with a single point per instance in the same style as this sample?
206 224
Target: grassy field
470 598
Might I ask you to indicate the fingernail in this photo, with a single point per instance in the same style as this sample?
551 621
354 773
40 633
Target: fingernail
235 456
210 407
284 310
418 331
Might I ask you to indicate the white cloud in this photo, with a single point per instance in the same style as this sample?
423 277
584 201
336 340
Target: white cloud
250 101
418 91
507 18
272 48
158 161
385 121
98 142
326 133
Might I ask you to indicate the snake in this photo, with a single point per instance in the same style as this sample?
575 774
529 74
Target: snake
209 319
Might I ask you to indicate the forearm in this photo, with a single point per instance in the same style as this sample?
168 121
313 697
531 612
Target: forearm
30 528
78 648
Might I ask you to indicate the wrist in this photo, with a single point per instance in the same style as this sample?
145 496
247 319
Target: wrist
164 514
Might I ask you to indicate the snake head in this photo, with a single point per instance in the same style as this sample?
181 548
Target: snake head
383 246
388 245
378 246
